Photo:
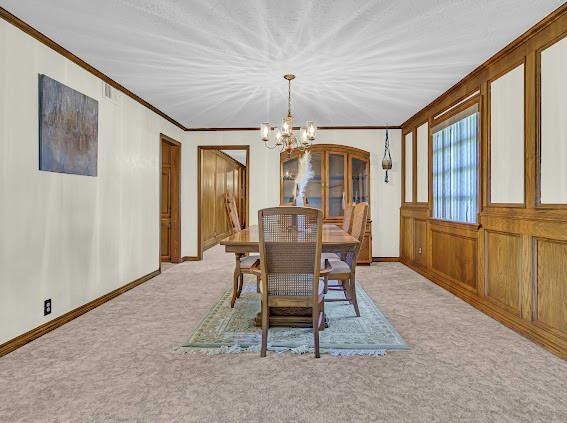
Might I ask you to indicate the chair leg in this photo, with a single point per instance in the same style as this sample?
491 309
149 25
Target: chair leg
234 289
354 301
240 284
258 284
326 279
265 325
316 311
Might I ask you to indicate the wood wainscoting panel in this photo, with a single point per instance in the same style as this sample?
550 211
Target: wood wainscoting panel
454 256
420 242
551 286
407 236
502 279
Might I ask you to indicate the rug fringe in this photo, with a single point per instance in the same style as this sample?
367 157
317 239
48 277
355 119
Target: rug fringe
301 350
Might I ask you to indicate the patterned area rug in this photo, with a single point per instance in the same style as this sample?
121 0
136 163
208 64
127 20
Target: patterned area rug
232 330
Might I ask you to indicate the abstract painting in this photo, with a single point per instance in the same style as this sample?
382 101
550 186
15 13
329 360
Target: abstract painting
68 129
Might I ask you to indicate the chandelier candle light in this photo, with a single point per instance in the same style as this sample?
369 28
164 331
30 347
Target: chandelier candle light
285 139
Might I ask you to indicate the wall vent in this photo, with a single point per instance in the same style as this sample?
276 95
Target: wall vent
108 92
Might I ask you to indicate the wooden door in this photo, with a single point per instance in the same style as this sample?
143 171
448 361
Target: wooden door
169 202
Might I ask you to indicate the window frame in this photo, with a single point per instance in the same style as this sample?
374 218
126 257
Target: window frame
441 119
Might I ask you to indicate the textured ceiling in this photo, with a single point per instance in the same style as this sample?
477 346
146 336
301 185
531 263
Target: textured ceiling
219 63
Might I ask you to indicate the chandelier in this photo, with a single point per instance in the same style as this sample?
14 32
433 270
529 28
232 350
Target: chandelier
285 139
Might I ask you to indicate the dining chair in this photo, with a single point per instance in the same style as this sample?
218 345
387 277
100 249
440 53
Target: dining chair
347 227
344 270
232 211
245 264
290 259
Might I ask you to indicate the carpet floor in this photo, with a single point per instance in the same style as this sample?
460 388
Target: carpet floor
118 363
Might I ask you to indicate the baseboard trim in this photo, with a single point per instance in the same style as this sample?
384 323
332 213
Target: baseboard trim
385 259
547 340
27 337
190 258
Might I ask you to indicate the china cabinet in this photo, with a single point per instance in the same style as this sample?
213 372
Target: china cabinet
342 176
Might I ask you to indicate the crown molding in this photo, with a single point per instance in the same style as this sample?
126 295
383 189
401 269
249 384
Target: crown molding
296 128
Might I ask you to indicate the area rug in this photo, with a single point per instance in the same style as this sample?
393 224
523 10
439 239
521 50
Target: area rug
232 330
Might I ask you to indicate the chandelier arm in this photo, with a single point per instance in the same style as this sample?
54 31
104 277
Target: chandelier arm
267 145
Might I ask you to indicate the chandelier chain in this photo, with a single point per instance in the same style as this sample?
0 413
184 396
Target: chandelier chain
289 98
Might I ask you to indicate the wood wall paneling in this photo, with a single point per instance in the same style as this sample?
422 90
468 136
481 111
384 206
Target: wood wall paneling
219 174
407 238
420 242
454 255
551 286
512 265
503 271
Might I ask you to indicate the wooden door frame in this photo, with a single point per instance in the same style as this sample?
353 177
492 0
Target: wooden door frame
200 150
175 239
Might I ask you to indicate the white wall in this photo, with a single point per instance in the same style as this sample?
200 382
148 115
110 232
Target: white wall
67 237
423 163
265 173
409 167
554 123
507 138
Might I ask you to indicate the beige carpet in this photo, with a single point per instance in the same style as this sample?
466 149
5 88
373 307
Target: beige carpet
117 363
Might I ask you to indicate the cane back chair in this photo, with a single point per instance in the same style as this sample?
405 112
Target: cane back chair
290 260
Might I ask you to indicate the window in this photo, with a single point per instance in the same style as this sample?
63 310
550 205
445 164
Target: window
455 168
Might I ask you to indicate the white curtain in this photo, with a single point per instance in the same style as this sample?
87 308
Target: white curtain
455 171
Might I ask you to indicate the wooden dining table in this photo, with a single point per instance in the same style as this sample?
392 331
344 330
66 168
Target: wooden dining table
334 240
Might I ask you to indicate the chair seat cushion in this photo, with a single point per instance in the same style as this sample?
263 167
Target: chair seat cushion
249 261
330 256
339 267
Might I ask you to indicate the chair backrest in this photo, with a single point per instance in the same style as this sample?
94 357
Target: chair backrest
232 211
347 219
290 250
359 218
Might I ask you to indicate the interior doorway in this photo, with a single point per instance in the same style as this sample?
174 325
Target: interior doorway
221 169
170 198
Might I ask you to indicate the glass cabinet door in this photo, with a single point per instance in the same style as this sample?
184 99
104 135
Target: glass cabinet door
359 180
314 189
336 171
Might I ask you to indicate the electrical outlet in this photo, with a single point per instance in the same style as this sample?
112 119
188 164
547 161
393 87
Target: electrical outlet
419 250
47 307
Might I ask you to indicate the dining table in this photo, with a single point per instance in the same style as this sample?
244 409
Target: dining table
246 241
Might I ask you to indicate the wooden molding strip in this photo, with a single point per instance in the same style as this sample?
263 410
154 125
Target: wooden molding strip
23 339
28 29
489 62
296 128
190 258
385 259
